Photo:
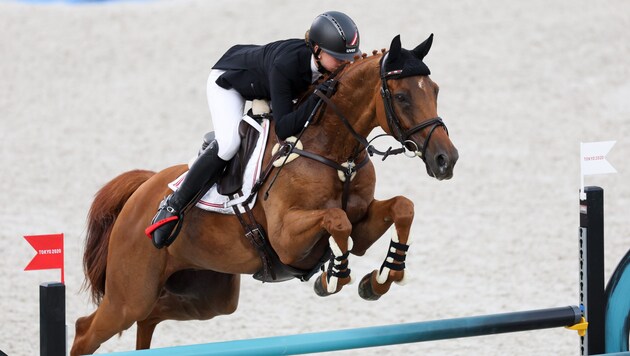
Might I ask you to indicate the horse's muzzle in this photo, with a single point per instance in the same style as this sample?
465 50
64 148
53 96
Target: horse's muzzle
441 164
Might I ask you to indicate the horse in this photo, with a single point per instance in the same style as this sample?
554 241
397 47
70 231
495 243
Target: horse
320 208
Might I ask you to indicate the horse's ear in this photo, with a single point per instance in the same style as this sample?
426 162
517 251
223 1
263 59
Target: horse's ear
394 49
423 48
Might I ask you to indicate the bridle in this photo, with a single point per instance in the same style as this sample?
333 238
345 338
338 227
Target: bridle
394 122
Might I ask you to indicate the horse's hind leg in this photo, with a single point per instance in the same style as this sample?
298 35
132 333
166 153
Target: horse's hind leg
380 216
100 326
128 297
144 333
191 295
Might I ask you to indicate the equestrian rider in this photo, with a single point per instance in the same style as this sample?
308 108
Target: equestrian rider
280 72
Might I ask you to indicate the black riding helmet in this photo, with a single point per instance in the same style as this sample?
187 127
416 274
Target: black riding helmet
336 34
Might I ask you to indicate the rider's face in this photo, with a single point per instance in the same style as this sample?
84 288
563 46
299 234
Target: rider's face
329 62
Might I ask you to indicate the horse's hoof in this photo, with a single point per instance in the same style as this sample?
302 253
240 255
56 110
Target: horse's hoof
365 288
319 288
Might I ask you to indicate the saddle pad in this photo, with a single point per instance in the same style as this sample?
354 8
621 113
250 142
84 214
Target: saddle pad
212 200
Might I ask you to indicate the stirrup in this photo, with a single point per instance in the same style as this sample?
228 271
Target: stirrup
156 225
166 215
171 234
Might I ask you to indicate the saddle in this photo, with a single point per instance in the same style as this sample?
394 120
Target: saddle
231 180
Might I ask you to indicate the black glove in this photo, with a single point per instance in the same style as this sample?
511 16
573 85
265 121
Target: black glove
327 87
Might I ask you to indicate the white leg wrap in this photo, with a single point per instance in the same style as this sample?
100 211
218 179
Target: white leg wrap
350 246
382 276
338 263
332 285
336 250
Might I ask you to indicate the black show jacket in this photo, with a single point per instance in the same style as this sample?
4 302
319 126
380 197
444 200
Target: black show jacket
279 71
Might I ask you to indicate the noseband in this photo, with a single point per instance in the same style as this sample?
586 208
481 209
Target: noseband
394 122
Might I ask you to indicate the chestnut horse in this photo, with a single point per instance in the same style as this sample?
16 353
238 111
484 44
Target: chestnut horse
308 215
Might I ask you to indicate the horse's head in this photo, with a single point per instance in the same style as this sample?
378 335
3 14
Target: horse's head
410 107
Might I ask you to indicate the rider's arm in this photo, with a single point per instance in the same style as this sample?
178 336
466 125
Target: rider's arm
288 122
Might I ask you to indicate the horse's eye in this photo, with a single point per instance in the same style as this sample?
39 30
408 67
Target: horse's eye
401 98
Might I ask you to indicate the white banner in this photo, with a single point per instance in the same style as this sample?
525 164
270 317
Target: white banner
593 160
593 156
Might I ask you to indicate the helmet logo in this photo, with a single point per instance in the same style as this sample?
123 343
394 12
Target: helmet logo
355 39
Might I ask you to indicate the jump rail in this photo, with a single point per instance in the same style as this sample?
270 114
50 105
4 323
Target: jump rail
380 335
607 312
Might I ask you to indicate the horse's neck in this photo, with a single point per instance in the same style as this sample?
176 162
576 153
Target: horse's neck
355 100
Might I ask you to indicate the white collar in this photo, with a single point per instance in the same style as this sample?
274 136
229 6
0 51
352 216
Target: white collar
314 71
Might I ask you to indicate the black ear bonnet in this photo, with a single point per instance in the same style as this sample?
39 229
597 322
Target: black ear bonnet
401 62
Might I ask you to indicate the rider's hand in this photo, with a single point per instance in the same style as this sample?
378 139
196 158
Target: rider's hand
327 87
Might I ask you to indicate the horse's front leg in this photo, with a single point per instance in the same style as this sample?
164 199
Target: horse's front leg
302 230
380 216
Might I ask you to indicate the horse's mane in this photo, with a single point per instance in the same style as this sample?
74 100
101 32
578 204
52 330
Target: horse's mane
352 70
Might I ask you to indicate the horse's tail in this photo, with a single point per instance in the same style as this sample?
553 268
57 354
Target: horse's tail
107 204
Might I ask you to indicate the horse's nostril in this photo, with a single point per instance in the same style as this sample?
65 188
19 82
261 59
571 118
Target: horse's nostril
441 160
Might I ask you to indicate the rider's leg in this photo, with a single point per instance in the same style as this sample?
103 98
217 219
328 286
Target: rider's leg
226 108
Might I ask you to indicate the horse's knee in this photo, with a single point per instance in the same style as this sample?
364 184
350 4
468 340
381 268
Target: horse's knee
403 208
336 222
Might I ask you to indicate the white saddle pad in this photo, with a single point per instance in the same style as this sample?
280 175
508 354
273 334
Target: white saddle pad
212 200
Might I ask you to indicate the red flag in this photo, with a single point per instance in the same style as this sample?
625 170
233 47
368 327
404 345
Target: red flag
49 252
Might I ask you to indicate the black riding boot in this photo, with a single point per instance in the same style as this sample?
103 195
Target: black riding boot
201 176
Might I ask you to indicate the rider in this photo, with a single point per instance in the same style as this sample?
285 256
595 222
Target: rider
280 72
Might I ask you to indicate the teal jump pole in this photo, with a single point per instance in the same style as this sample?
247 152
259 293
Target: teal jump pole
381 335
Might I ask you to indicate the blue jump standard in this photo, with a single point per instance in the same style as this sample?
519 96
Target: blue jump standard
381 335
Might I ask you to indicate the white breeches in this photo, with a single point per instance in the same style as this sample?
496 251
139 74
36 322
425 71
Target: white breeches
226 108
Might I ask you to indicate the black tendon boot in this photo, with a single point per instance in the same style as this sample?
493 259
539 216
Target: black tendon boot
201 176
